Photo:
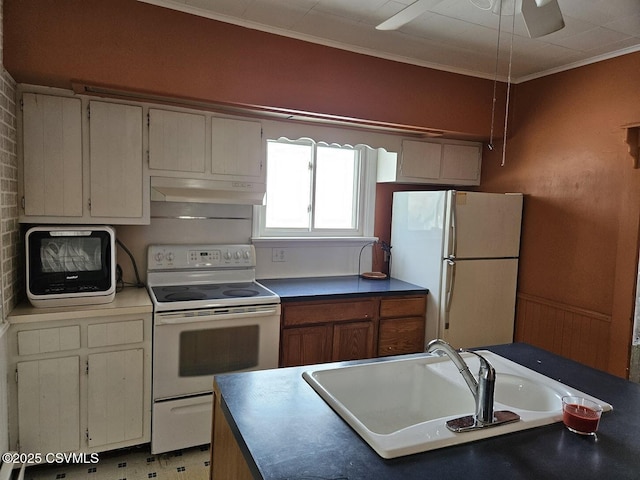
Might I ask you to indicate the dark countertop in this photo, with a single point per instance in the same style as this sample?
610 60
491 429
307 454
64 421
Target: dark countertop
287 431
350 286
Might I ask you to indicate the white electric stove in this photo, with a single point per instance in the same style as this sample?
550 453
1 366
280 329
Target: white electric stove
210 317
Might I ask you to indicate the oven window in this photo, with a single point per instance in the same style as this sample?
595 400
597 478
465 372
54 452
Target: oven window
218 350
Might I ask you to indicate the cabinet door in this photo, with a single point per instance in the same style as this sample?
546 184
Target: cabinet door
421 160
236 148
176 141
401 335
461 164
306 345
49 405
115 396
52 155
116 160
352 341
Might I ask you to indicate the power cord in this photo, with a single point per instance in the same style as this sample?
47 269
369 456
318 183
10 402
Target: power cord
119 279
360 255
384 246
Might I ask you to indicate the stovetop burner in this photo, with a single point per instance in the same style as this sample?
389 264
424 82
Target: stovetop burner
184 296
175 288
240 292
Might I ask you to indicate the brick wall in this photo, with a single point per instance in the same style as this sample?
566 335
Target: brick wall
10 252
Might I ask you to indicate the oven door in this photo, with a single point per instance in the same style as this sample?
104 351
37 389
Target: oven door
192 346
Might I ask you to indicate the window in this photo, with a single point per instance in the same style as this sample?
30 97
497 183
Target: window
315 190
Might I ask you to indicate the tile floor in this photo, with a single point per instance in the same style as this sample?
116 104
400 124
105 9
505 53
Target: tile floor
132 464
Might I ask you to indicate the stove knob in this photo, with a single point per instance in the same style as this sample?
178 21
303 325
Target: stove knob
169 257
238 255
227 255
246 255
159 257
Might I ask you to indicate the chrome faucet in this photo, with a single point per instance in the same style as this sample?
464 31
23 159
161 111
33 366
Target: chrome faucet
482 389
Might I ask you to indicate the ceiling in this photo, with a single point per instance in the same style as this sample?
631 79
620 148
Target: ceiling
452 35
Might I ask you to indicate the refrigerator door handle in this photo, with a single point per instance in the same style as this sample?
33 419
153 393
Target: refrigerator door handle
453 237
451 280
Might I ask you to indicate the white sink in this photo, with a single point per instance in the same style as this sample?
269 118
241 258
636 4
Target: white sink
400 407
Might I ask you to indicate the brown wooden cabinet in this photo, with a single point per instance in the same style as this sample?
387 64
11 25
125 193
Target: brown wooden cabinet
322 331
402 323
327 331
353 340
306 345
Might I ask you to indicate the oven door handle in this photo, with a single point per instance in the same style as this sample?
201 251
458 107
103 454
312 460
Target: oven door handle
181 319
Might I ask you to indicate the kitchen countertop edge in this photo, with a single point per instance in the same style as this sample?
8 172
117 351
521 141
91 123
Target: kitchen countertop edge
338 287
129 301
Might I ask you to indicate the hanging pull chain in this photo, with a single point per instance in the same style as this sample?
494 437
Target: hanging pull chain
495 76
506 112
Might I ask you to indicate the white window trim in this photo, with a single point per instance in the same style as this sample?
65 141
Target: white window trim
367 218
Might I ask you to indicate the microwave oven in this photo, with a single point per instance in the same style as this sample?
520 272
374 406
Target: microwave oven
70 265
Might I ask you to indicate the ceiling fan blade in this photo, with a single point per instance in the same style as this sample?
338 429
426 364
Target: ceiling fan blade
542 17
406 15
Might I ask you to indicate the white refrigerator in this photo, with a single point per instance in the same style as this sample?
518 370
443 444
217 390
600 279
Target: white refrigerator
463 247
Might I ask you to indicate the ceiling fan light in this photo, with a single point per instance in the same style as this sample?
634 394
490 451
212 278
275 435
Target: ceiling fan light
541 20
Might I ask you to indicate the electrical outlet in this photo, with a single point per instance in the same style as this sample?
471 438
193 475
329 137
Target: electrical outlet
278 255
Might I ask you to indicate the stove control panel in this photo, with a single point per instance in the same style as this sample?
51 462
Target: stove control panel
162 257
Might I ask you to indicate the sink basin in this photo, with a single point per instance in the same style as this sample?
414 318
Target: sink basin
400 407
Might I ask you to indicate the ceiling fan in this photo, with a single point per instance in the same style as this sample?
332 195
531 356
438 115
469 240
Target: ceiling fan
541 17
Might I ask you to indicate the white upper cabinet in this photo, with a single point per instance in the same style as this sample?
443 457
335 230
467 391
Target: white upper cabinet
420 160
116 160
80 161
443 162
51 178
461 163
176 141
236 149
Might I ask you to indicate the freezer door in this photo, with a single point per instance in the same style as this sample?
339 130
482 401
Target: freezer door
483 225
417 236
477 306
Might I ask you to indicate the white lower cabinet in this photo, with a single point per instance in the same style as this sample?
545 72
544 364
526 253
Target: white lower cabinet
115 397
88 391
49 406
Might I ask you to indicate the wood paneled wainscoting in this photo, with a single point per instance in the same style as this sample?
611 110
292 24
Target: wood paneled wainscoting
576 333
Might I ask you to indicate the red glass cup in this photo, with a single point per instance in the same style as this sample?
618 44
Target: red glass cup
581 415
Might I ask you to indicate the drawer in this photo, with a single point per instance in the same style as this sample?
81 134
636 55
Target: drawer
403 306
305 313
31 342
115 333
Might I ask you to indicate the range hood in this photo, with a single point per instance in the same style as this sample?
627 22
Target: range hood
170 189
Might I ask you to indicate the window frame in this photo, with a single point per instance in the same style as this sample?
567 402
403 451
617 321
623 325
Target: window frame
365 197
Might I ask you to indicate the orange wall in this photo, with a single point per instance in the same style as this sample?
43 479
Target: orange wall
566 149
137 46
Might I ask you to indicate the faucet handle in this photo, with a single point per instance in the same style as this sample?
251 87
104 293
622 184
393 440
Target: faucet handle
486 371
